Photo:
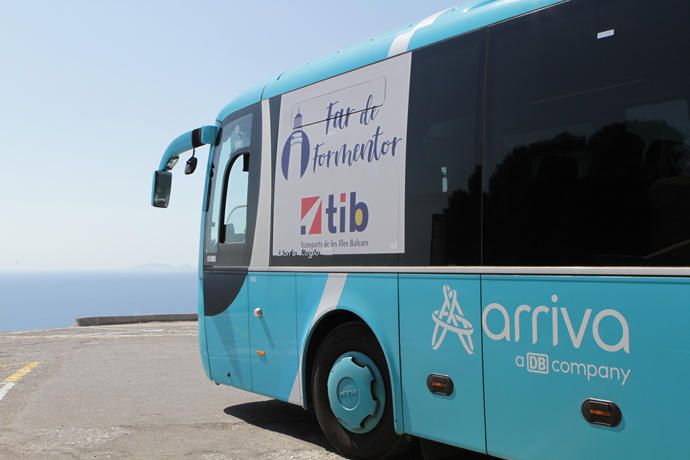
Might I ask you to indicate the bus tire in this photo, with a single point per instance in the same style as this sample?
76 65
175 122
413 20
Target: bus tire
379 441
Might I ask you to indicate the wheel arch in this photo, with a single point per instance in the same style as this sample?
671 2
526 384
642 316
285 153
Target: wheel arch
318 332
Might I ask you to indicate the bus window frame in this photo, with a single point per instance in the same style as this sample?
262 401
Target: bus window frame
234 255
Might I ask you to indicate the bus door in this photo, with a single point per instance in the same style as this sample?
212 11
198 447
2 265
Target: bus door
272 313
228 235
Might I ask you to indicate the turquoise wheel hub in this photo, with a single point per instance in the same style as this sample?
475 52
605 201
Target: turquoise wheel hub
356 392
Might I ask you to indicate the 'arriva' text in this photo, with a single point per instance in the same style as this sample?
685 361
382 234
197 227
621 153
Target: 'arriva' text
505 326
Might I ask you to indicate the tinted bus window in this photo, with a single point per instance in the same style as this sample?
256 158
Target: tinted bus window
588 155
442 197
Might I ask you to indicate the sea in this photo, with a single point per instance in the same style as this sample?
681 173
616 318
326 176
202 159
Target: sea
46 300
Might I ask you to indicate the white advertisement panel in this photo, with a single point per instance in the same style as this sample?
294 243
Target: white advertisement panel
340 165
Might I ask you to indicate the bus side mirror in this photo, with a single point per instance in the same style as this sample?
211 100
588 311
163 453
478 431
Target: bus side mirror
206 135
162 182
190 167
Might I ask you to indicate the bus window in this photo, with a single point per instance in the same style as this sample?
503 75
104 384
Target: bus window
236 188
588 137
443 177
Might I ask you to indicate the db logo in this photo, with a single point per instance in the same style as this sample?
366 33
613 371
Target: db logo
537 363
341 214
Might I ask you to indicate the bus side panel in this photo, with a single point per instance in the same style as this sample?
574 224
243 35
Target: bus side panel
440 333
227 336
201 324
317 294
552 342
273 333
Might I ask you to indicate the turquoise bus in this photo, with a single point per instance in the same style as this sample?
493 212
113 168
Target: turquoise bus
474 230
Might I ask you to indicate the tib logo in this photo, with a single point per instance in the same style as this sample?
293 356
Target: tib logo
451 319
341 216
295 156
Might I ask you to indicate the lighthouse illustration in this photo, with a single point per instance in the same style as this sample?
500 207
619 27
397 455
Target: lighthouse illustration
295 157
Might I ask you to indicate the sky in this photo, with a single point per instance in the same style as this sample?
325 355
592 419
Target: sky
91 93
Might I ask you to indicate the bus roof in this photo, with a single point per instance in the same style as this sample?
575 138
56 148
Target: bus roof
445 24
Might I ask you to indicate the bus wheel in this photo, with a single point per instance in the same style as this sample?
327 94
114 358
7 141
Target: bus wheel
352 394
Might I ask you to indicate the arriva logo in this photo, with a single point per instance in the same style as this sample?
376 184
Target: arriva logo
343 216
500 325
450 318
510 330
295 156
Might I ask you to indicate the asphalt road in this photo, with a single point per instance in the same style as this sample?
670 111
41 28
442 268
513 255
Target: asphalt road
136 391
139 391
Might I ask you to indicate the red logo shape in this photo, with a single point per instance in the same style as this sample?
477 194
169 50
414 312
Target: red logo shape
308 205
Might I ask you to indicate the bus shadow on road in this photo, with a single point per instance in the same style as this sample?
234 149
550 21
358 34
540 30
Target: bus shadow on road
293 421
283 418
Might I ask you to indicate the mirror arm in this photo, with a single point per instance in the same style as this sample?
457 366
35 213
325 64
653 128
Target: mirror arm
187 141
162 177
